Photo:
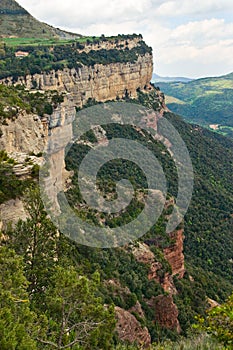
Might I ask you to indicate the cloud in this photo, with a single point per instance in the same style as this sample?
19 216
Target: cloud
195 48
194 7
192 38
83 13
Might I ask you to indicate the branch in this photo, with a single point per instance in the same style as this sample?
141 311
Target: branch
90 326
71 344
47 342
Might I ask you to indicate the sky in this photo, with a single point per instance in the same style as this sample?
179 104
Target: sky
191 38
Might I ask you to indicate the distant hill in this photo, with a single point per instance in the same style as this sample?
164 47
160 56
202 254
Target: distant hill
206 101
15 21
157 78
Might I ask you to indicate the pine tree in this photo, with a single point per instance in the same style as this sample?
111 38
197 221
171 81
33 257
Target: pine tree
17 321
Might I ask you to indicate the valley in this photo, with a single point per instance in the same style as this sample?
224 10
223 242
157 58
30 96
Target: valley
206 102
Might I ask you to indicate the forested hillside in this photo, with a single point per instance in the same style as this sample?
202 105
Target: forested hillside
47 264
206 101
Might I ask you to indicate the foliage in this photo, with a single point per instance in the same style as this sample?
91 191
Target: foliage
11 186
219 323
208 221
17 322
42 58
75 314
16 99
68 308
35 239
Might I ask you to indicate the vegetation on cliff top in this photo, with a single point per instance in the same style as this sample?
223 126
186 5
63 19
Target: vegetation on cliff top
45 58
30 41
16 99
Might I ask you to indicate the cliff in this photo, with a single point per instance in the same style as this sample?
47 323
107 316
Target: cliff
174 254
28 134
25 134
165 310
99 82
119 44
130 330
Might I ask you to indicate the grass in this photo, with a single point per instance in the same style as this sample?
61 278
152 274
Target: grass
36 41
201 342
16 42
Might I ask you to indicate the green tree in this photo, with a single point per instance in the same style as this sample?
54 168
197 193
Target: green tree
219 323
17 322
36 240
76 316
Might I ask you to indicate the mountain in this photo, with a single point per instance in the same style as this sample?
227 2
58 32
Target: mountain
206 101
156 78
57 293
15 21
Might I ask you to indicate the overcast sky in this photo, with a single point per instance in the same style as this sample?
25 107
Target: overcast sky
192 38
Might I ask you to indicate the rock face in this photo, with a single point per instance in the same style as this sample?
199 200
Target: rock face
11 212
129 329
166 312
99 82
174 254
121 44
60 133
23 135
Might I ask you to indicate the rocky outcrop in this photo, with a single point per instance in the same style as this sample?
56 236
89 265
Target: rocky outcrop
144 255
25 134
99 82
60 133
129 329
116 44
137 309
174 253
166 312
10 212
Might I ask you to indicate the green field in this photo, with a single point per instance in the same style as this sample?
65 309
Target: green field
16 42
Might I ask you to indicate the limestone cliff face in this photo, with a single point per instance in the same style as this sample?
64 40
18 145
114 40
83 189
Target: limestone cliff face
120 44
99 82
10 212
60 133
25 134
29 134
